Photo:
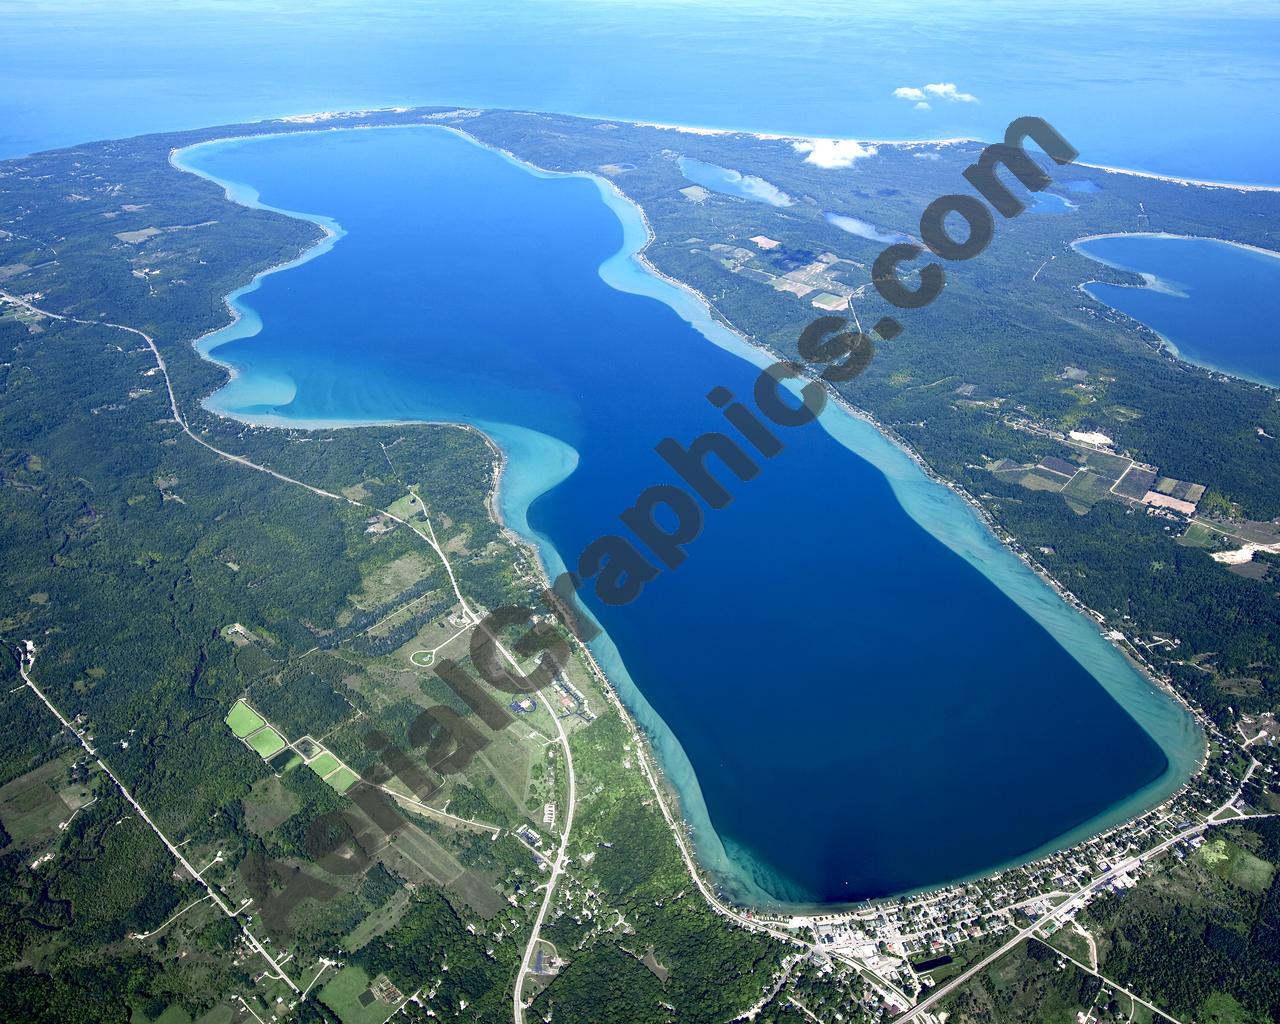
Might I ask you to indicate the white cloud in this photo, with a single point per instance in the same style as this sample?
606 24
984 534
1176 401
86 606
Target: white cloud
920 96
863 229
926 156
833 153
948 91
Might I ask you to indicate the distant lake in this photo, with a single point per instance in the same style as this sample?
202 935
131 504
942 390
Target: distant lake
1051 202
854 688
733 183
1216 304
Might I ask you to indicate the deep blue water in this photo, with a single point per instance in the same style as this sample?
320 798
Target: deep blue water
1180 87
1216 303
865 711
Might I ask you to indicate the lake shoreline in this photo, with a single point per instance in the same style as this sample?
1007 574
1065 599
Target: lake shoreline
531 543
1154 282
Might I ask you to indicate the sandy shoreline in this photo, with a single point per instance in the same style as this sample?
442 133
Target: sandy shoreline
323 117
1198 182
909 143
1169 234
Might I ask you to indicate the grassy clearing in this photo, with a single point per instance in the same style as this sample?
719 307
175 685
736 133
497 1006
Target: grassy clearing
243 719
1237 865
1088 488
1042 480
1198 536
323 764
1072 943
343 779
1221 1008
1109 466
378 922
267 742
33 805
342 995
406 507
268 804
383 583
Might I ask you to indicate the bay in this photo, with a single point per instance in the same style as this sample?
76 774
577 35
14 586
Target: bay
1215 303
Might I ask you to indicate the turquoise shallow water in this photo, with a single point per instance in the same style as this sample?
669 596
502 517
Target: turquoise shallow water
856 690
1215 303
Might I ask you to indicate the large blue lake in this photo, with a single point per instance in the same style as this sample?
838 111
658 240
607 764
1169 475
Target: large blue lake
855 689
1215 303
1181 87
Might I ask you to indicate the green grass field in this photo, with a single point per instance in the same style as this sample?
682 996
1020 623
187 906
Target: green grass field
1198 536
32 805
422 659
243 719
1109 466
1237 865
1072 943
323 764
342 995
267 742
1087 488
1221 1008
343 779
175 1014
1043 480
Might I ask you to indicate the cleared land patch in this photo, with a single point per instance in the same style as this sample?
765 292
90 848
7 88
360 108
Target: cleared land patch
1237 865
349 996
243 719
323 764
33 805
343 779
267 742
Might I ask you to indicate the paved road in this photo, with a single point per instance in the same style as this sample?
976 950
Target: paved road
1155 851
28 661
1135 997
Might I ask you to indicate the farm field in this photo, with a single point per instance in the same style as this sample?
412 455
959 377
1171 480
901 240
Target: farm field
243 719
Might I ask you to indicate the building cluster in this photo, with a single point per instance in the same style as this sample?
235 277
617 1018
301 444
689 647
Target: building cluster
899 944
